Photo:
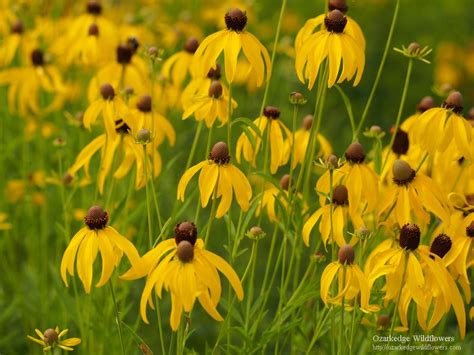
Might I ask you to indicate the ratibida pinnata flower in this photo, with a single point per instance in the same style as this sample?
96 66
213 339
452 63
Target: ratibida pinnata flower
272 128
338 212
51 338
188 271
218 178
413 192
232 41
18 41
199 86
338 46
176 67
96 237
351 280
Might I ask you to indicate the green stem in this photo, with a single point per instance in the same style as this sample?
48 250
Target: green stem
379 71
117 317
195 142
253 257
400 111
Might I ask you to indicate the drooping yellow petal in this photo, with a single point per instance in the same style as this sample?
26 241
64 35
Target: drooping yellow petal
183 182
207 182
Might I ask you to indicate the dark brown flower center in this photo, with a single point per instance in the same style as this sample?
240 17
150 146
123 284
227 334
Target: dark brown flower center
93 30
454 102
94 8
191 45
285 182
215 90
144 103
340 5
214 73
271 112
402 172
220 153
235 20
346 254
307 122
50 336
470 230
355 153
470 114
17 27
124 54
383 321
133 43
335 21
185 251
410 236
401 142
441 245
185 231
425 104
37 58
121 127
96 218
340 196
107 91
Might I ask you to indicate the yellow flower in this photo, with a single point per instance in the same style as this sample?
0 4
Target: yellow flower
144 116
109 106
218 178
215 105
415 192
360 179
4 225
447 128
26 84
96 237
301 141
178 65
337 45
184 268
231 41
352 28
200 86
351 281
17 41
275 129
128 72
270 196
52 338
409 125
340 210
132 154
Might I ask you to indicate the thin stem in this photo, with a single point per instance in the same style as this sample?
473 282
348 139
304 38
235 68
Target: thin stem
212 215
195 142
251 282
379 71
117 317
400 111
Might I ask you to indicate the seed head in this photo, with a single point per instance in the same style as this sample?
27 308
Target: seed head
185 251
425 104
285 182
37 58
402 172
375 129
107 92
413 47
144 103
143 136
410 236
220 153
271 112
96 218
93 30
307 122
383 321
214 73
124 54
470 230
50 336
185 231
346 254
332 161
215 90
340 196
401 142
17 27
297 98
340 5
335 21
67 178
133 43
355 153
94 8
255 233
470 114
441 245
191 45
454 102
235 19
